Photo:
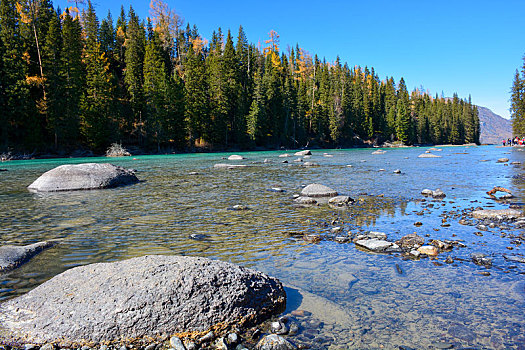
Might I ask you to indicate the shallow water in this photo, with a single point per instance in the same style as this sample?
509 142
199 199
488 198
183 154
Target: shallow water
361 297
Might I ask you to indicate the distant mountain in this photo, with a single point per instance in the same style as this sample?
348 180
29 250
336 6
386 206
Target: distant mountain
494 128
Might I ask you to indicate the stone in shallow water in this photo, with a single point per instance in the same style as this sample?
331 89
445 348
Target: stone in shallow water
274 342
88 176
303 153
235 157
340 201
318 190
13 256
428 155
495 213
140 298
375 245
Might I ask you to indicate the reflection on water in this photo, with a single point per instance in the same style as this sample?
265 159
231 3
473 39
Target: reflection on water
365 300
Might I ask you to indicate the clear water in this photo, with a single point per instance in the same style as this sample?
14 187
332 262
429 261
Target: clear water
362 299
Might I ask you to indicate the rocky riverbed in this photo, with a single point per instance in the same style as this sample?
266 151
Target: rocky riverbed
383 266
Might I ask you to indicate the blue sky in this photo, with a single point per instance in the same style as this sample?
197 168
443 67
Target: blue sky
468 47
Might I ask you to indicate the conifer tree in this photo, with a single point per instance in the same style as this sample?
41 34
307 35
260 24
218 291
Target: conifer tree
403 119
14 91
517 102
96 104
71 78
134 73
196 97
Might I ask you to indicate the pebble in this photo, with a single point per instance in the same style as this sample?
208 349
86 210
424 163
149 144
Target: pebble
442 345
397 171
232 338
176 343
207 337
301 313
240 207
152 346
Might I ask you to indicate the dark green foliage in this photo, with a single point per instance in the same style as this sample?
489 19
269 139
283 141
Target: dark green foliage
160 87
517 102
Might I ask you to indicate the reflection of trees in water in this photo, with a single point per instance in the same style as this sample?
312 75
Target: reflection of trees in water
367 210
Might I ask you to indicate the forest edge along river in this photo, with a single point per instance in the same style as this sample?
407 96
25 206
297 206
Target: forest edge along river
362 274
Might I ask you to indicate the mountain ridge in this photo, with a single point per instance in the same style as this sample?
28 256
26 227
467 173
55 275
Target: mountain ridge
494 128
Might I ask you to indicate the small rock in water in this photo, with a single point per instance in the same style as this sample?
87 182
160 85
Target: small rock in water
198 236
176 343
429 250
481 259
442 345
305 200
193 173
312 238
276 189
410 241
208 337
284 155
309 164
374 245
336 229
397 171
341 239
274 342
340 201
502 160
240 207
426 192
303 153
428 155
301 313
232 339
235 157
318 190
438 194
279 328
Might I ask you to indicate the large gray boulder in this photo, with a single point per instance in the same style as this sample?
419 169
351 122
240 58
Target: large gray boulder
87 176
12 256
317 190
140 300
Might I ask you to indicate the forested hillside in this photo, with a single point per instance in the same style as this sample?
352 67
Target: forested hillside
70 80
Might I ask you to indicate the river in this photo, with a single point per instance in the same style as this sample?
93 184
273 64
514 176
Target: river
363 300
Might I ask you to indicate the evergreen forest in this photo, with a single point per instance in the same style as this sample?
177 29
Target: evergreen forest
70 80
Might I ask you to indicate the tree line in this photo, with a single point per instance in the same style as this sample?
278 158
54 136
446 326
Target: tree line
517 102
70 80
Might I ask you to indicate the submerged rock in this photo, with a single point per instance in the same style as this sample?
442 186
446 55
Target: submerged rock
428 155
411 241
305 200
274 342
12 257
505 214
317 190
141 298
87 176
481 259
229 166
340 201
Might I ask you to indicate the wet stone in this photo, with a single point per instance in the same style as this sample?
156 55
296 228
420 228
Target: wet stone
442 345
176 343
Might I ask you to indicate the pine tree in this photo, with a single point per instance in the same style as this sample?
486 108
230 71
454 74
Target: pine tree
156 92
96 104
72 79
517 102
51 50
403 119
196 98
134 73
14 91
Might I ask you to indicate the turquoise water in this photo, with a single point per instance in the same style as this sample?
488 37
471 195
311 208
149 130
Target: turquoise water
361 297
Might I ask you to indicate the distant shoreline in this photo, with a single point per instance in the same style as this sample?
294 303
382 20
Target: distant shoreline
9 156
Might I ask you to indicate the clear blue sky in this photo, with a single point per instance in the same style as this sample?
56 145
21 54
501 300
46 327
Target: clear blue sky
468 47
